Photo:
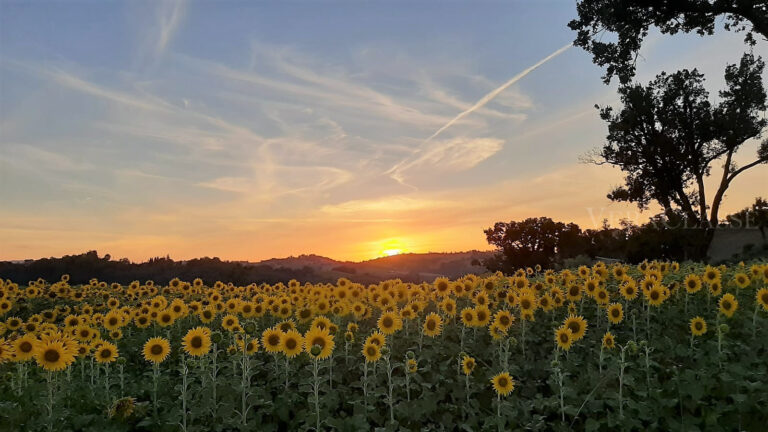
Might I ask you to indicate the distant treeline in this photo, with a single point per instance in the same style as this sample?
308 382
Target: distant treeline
81 268
548 243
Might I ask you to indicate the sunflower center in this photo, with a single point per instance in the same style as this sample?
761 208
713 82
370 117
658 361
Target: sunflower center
196 342
504 320
371 351
431 325
291 343
654 295
106 353
51 356
319 341
764 297
698 326
156 349
726 305
615 313
503 382
25 347
564 338
387 322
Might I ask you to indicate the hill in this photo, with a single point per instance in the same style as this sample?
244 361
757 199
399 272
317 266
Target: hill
305 268
410 267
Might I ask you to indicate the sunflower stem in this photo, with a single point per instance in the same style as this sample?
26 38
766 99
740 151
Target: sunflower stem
155 376
390 386
622 364
49 379
754 320
184 385
365 386
316 389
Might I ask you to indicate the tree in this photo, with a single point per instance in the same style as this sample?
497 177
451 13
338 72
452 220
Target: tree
755 216
667 135
630 21
530 242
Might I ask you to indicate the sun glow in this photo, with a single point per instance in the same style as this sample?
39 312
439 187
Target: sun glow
391 252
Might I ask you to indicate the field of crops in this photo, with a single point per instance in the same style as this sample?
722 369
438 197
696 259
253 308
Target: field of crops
657 346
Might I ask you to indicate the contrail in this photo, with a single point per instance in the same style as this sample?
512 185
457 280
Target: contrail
490 96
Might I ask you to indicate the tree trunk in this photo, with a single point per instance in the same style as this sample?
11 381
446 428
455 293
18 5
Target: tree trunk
724 182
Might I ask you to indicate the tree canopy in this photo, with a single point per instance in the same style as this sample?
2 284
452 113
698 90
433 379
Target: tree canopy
667 135
627 23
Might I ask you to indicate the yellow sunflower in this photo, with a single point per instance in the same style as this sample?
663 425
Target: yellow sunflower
53 355
577 325
615 313
692 283
156 350
371 352
741 280
698 326
270 340
564 338
291 343
197 341
24 347
608 341
433 325
468 365
728 305
377 338
106 353
389 323
317 337
503 384
497 332
629 289
762 298
503 319
468 317
655 295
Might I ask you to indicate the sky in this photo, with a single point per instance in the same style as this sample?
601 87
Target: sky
250 130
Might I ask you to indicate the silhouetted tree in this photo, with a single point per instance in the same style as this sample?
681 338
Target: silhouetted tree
613 30
667 135
530 242
755 216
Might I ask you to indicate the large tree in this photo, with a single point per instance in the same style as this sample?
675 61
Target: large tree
667 136
532 241
613 30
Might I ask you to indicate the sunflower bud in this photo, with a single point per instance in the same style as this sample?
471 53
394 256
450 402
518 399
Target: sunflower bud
385 350
250 328
632 347
410 355
121 361
512 341
724 329
315 351
216 338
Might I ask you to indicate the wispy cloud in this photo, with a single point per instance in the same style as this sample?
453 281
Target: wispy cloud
491 95
170 13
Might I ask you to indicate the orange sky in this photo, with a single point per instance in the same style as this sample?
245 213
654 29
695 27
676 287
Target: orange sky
149 132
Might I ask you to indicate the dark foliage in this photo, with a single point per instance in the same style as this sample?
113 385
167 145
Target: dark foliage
83 267
613 30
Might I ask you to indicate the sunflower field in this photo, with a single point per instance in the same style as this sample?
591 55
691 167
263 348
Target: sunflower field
658 346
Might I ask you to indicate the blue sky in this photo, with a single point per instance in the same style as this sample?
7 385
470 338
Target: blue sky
248 130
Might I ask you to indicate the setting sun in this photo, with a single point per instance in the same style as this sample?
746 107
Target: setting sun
390 252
